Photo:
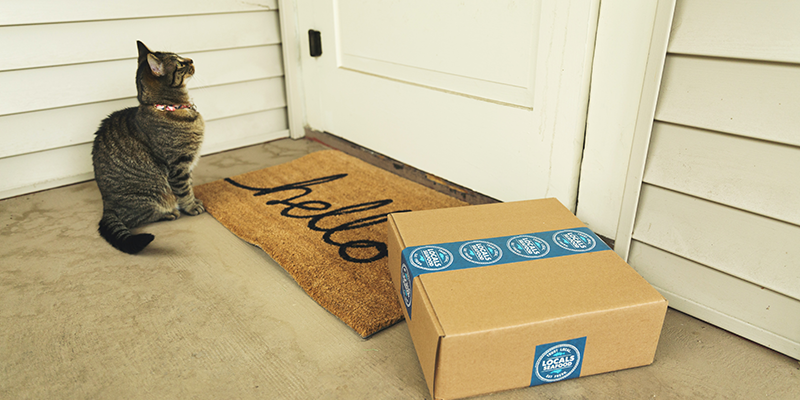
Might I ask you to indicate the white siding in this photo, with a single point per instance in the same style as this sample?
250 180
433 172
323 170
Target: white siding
754 175
747 309
764 30
755 99
718 218
67 65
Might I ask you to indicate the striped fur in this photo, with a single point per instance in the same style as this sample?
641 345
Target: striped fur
143 157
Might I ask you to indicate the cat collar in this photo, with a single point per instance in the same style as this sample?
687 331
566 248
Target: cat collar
173 107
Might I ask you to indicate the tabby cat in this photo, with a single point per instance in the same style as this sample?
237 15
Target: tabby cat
143 156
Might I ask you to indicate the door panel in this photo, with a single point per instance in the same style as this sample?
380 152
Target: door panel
453 47
489 95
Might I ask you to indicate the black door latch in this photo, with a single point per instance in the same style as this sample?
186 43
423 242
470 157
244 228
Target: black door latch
314 43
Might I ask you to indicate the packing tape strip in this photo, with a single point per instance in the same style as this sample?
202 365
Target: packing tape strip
426 259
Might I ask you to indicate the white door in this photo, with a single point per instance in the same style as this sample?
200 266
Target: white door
491 95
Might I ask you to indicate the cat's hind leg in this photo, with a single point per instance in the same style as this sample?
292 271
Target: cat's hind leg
152 208
166 208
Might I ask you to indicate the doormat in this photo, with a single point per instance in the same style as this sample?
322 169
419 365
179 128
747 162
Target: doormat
322 217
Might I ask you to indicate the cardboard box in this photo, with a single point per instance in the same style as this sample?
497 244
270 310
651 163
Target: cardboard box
518 294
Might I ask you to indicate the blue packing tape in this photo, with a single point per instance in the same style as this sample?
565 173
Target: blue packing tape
419 260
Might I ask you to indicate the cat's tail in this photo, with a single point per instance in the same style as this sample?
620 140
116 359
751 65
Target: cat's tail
114 231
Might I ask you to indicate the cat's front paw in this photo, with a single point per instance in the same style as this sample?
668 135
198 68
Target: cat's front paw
195 208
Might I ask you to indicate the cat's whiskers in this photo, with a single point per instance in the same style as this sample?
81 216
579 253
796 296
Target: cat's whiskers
196 82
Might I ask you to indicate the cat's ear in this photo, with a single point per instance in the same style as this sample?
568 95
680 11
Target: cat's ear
143 51
156 66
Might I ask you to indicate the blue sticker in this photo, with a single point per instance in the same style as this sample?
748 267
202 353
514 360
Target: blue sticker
558 361
418 260
405 285
431 258
528 246
480 252
574 240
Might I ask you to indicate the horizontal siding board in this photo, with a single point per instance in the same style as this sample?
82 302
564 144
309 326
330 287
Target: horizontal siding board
45 170
753 175
753 99
732 324
737 29
739 306
44 88
235 65
244 130
49 11
225 101
60 127
43 130
750 247
51 168
83 42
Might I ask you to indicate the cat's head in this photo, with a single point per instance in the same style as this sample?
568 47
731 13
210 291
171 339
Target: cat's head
162 75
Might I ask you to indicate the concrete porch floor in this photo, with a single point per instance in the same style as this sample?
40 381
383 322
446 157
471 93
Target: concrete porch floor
201 314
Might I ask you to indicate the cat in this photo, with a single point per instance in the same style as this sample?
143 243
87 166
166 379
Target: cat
143 156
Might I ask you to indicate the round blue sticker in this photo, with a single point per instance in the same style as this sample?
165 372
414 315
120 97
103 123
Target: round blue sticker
574 240
528 246
431 258
481 252
405 283
557 363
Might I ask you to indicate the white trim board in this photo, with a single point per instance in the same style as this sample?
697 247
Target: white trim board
622 48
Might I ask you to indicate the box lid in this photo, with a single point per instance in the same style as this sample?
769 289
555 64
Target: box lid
477 299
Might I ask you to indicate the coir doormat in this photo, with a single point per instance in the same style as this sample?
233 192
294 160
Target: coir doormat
322 217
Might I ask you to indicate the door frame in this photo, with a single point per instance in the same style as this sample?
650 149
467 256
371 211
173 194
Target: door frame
630 50
291 46
644 125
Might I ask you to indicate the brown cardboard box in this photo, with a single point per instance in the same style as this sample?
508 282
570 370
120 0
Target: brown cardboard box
542 299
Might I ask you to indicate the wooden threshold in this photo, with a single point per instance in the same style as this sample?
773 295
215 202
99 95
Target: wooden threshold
398 168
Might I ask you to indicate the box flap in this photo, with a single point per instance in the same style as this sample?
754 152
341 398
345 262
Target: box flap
482 221
426 333
477 299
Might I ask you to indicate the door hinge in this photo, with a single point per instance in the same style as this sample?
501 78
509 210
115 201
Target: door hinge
314 43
